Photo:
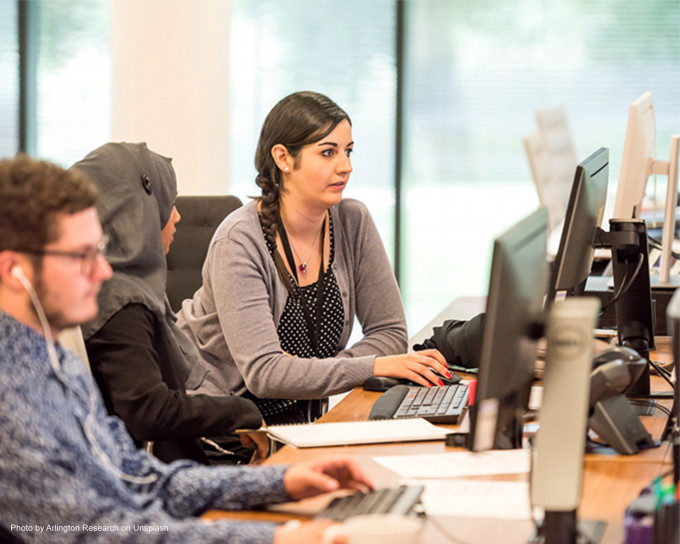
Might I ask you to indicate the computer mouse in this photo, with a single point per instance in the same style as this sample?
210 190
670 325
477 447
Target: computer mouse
455 378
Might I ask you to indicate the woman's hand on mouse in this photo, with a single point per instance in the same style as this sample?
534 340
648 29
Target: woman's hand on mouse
419 367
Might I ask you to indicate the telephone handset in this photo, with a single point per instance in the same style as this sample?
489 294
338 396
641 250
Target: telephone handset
611 415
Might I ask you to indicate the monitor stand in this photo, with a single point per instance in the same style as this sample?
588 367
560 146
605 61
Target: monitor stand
641 389
635 308
557 465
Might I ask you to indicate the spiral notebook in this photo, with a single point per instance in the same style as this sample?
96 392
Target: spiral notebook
315 435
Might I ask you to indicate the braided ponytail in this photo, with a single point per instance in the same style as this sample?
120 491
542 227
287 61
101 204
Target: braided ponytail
270 217
297 120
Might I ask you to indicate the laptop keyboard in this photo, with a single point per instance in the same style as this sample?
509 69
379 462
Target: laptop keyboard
439 404
398 501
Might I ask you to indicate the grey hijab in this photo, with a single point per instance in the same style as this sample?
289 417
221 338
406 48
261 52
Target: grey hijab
137 190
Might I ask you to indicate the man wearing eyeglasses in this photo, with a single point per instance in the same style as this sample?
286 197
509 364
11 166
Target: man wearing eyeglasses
69 472
65 271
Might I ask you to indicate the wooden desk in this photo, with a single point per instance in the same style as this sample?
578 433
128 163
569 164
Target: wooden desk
610 482
467 307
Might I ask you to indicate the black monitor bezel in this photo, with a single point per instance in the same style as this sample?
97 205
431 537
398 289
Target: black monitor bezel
584 215
506 367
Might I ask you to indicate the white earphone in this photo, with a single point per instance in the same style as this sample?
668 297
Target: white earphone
18 273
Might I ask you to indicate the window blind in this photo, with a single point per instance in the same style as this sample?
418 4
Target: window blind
345 51
9 76
475 73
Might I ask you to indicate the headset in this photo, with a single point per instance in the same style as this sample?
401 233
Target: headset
18 273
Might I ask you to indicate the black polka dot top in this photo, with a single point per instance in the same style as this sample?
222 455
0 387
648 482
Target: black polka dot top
293 330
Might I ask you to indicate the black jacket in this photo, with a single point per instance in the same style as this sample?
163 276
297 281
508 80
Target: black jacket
138 373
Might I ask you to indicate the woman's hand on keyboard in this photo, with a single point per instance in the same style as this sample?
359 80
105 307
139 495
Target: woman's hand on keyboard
420 367
310 478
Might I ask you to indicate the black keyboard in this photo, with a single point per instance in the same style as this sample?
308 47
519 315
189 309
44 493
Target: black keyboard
397 501
439 404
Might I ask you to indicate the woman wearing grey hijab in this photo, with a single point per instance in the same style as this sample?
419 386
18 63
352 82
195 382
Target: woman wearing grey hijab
140 359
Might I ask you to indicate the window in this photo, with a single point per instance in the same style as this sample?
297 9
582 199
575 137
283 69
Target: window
343 51
475 74
68 100
73 79
9 75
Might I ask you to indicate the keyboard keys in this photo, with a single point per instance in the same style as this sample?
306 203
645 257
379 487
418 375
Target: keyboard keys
439 404
393 500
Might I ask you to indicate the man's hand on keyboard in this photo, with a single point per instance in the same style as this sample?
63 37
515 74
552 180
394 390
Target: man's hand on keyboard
310 478
420 367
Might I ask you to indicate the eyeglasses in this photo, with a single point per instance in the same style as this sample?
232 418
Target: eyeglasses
88 257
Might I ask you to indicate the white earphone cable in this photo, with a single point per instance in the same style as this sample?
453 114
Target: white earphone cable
54 363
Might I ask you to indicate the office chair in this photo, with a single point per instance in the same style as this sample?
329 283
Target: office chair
8 537
201 215
72 338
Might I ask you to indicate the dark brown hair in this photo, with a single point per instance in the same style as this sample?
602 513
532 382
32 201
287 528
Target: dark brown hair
297 120
32 194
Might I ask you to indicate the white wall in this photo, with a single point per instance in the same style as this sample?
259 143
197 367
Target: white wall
170 85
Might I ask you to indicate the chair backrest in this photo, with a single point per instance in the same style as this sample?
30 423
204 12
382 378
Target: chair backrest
72 338
201 215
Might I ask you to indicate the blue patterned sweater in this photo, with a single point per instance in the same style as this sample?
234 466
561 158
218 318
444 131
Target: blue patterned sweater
54 487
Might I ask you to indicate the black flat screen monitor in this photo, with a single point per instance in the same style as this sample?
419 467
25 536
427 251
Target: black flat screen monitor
574 258
514 308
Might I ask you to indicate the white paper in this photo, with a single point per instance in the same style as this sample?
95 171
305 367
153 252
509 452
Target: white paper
357 432
457 464
476 498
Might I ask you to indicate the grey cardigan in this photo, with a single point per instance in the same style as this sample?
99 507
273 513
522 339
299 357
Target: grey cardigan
242 298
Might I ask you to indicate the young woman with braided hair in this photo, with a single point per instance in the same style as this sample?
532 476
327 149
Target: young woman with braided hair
286 275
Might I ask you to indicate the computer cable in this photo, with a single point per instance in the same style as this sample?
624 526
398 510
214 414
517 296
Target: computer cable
672 429
656 244
625 285
651 404
667 432
662 372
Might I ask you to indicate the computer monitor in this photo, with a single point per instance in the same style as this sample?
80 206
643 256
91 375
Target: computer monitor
637 164
638 151
574 258
627 239
514 319
552 158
